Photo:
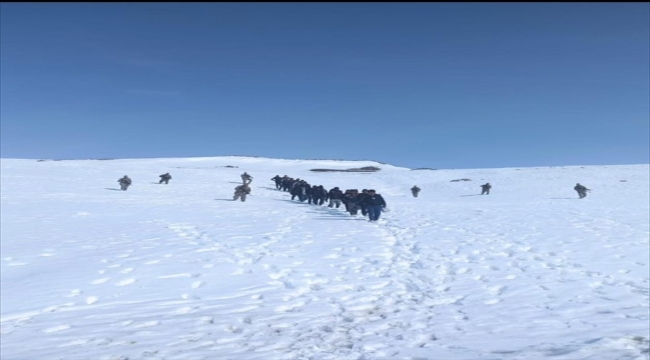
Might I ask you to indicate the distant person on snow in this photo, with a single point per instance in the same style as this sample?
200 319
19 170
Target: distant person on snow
165 178
581 189
415 190
246 179
241 191
486 189
125 182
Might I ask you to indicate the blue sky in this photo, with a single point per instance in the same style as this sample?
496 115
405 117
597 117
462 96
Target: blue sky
440 85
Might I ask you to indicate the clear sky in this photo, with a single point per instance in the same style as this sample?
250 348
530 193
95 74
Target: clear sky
439 85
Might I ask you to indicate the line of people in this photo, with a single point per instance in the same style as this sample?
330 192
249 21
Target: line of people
368 201
317 194
485 189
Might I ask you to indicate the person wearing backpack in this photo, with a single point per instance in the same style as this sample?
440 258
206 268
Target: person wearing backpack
581 190
164 178
125 182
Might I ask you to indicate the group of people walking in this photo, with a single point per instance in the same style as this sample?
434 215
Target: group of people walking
353 200
415 190
485 190
126 181
368 201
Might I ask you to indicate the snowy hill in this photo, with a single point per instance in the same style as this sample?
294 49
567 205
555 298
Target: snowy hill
180 271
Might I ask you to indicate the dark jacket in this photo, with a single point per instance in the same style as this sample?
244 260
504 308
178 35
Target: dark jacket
335 194
318 192
296 189
374 200
361 199
580 188
243 189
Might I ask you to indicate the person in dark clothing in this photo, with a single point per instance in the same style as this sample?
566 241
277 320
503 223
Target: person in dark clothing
295 191
581 189
246 179
241 191
375 203
485 189
278 181
165 178
286 183
318 195
415 190
351 201
335 196
305 193
362 205
125 182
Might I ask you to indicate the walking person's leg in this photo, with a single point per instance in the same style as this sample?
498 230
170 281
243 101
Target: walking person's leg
371 213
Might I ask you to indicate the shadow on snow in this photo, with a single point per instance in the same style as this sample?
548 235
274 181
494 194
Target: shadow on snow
324 209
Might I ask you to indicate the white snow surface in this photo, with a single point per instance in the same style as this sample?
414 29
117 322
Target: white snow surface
181 271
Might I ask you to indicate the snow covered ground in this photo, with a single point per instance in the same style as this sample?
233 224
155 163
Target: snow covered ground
180 271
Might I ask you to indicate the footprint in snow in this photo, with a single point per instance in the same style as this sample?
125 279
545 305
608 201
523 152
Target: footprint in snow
75 292
197 284
496 290
57 328
181 275
75 342
125 282
147 324
184 310
91 300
